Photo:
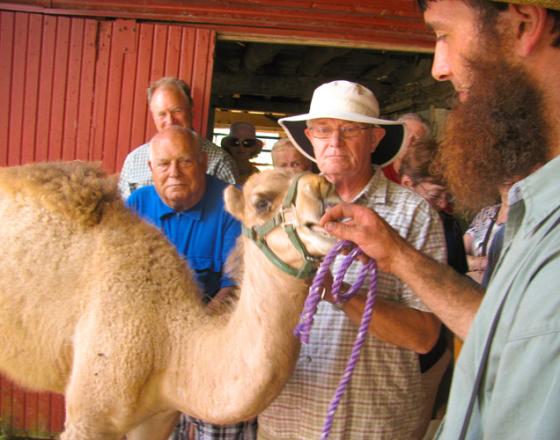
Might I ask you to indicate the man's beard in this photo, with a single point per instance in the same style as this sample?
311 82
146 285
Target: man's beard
498 135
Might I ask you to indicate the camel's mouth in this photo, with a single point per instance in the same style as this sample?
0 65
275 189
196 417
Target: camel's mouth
317 240
317 229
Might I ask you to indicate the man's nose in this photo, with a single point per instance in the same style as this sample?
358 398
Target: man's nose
335 138
441 69
168 120
174 169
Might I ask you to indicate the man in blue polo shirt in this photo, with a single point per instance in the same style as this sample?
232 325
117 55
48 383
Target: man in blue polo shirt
187 205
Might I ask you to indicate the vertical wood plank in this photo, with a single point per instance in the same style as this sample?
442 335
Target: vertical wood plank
141 117
18 410
60 79
73 89
203 66
6 393
45 87
31 411
44 414
129 30
57 413
87 85
21 31
186 63
6 56
186 70
114 99
159 52
33 60
173 51
100 93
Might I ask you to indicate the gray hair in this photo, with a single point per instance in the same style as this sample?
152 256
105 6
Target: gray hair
171 83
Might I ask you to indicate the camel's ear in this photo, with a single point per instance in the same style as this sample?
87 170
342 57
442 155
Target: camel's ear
235 203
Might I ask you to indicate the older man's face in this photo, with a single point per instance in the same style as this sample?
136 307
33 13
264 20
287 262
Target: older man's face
345 154
290 158
178 169
169 107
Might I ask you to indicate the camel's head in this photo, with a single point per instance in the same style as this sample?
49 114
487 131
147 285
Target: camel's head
280 211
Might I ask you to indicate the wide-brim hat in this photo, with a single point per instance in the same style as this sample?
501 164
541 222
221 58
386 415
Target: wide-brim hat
551 4
350 102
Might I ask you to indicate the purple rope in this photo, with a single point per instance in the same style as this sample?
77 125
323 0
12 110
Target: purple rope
303 329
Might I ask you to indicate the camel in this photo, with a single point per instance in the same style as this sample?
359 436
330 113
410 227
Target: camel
97 305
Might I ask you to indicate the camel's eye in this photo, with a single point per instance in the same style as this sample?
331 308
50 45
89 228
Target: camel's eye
262 205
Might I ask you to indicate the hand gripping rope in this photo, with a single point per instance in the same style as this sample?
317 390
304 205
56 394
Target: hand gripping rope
303 329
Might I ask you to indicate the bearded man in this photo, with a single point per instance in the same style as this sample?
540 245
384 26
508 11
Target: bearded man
503 59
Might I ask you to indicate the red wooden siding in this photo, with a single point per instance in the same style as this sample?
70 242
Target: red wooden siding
386 24
74 88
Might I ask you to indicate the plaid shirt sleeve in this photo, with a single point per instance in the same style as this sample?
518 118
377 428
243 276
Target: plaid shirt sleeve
220 163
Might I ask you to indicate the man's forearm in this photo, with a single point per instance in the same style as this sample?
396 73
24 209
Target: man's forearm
397 324
454 298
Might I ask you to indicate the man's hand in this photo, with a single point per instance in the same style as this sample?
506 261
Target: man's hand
369 231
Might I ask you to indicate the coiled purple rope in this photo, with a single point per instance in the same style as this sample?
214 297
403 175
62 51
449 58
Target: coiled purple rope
303 329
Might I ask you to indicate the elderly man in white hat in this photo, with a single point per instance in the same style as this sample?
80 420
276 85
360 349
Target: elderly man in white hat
343 134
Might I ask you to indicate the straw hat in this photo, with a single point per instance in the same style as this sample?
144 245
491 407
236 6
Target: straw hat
350 102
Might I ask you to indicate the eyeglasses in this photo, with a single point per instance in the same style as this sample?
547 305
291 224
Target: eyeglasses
348 132
247 143
434 195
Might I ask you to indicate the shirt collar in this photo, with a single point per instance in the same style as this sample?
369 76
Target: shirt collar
375 191
539 191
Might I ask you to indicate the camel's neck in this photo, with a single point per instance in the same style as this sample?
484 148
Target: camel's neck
238 363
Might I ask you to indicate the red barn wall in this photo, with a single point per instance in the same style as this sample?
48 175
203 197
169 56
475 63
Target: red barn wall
74 88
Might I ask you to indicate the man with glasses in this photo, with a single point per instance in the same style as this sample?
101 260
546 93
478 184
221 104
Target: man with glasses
243 145
170 104
344 135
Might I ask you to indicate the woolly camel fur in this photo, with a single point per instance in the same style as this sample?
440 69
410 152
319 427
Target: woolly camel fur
96 304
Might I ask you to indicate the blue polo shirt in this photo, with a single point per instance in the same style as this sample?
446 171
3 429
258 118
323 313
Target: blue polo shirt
204 235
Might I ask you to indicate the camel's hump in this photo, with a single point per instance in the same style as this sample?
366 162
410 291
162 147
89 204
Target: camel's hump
76 190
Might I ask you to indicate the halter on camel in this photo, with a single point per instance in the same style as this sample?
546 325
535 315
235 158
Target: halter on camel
287 220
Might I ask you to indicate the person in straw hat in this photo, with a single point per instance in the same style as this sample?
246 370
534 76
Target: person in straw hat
345 136
503 59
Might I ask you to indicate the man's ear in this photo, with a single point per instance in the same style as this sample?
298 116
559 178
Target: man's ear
407 182
307 133
378 134
150 165
204 159
532 25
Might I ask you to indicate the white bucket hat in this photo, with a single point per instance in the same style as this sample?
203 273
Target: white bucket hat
350 102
